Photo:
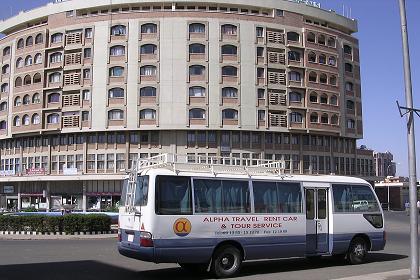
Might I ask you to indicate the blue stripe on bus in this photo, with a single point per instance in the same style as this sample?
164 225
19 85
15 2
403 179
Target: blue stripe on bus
196 250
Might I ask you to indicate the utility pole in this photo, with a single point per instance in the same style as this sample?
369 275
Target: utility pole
414 250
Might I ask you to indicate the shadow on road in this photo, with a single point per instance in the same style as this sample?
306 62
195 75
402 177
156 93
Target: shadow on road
96 270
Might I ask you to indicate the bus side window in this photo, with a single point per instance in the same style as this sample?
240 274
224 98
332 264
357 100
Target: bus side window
173 195
310 205
364 200
277 197
342 198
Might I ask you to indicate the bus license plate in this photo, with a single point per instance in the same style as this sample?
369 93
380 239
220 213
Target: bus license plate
130 238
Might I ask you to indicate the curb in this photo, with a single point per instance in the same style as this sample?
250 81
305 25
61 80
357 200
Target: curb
56 237
32 233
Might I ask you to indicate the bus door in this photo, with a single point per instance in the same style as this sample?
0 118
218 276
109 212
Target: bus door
316 220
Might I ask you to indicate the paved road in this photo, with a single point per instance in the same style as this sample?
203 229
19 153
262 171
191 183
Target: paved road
99 259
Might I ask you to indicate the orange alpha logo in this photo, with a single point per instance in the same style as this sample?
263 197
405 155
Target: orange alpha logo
182 227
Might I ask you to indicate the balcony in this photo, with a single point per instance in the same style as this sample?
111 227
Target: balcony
277 98
71 121
73 59
74 38
275 38
71 100
276 78
277 119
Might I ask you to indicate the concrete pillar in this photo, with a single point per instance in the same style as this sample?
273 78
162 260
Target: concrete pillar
19 206
84 200
48 196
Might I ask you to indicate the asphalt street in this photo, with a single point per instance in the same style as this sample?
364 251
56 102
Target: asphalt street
99 259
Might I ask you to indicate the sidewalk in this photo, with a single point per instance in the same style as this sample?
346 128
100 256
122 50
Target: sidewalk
402 274
56 237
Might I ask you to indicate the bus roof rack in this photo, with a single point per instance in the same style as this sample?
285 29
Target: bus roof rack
211 164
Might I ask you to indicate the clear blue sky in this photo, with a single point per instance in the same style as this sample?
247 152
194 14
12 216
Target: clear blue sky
381 67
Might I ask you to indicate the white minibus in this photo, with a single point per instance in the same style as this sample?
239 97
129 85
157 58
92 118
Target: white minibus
214 213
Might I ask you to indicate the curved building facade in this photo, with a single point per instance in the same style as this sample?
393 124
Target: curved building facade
88 86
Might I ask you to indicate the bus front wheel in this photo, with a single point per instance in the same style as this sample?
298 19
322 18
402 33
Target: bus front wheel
357 251
227 261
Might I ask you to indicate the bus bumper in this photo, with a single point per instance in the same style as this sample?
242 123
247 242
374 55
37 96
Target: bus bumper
137 252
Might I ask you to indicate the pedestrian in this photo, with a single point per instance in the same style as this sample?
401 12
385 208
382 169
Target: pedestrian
418 205
407 207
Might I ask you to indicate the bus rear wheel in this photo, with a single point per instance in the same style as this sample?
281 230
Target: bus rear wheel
227 261
357 251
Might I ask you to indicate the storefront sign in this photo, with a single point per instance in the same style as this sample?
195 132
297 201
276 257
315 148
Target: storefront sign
70 171
8 189
307 2
7 172
35 171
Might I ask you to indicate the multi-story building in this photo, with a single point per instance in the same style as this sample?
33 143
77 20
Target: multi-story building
88 86
384 164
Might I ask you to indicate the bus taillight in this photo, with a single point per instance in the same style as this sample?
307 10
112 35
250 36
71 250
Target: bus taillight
146 239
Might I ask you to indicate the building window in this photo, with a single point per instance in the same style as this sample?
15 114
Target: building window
116 71
312 77
148 92
19 63
295 117
86 74
20 44
294 76
350 105
86 95
29 41
56 38
3 106
324 119
39 39
117 51
6 51
4 88
261 115
116 93
310 37
230 114
36 99
118 30
197 70
16 121
197 91
259 32
293 36
26 120
260 73
197 49
149 28
17 102
197 28
279 13
230 71
349 86
331 42
148 70
88 33
54 77
294 56
54 98
314 118
321 39
229 92
313 97
350 123
53 119
333 80
26 100
28 60
27 80
3 125
322 59
38 58
323 78
347 49
334 120
332 61
148 114
6 68
348 67
85 116
87 53
295 97
148 49
261 93
312 57
229 29
197 113
116 114
18 82
333 100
